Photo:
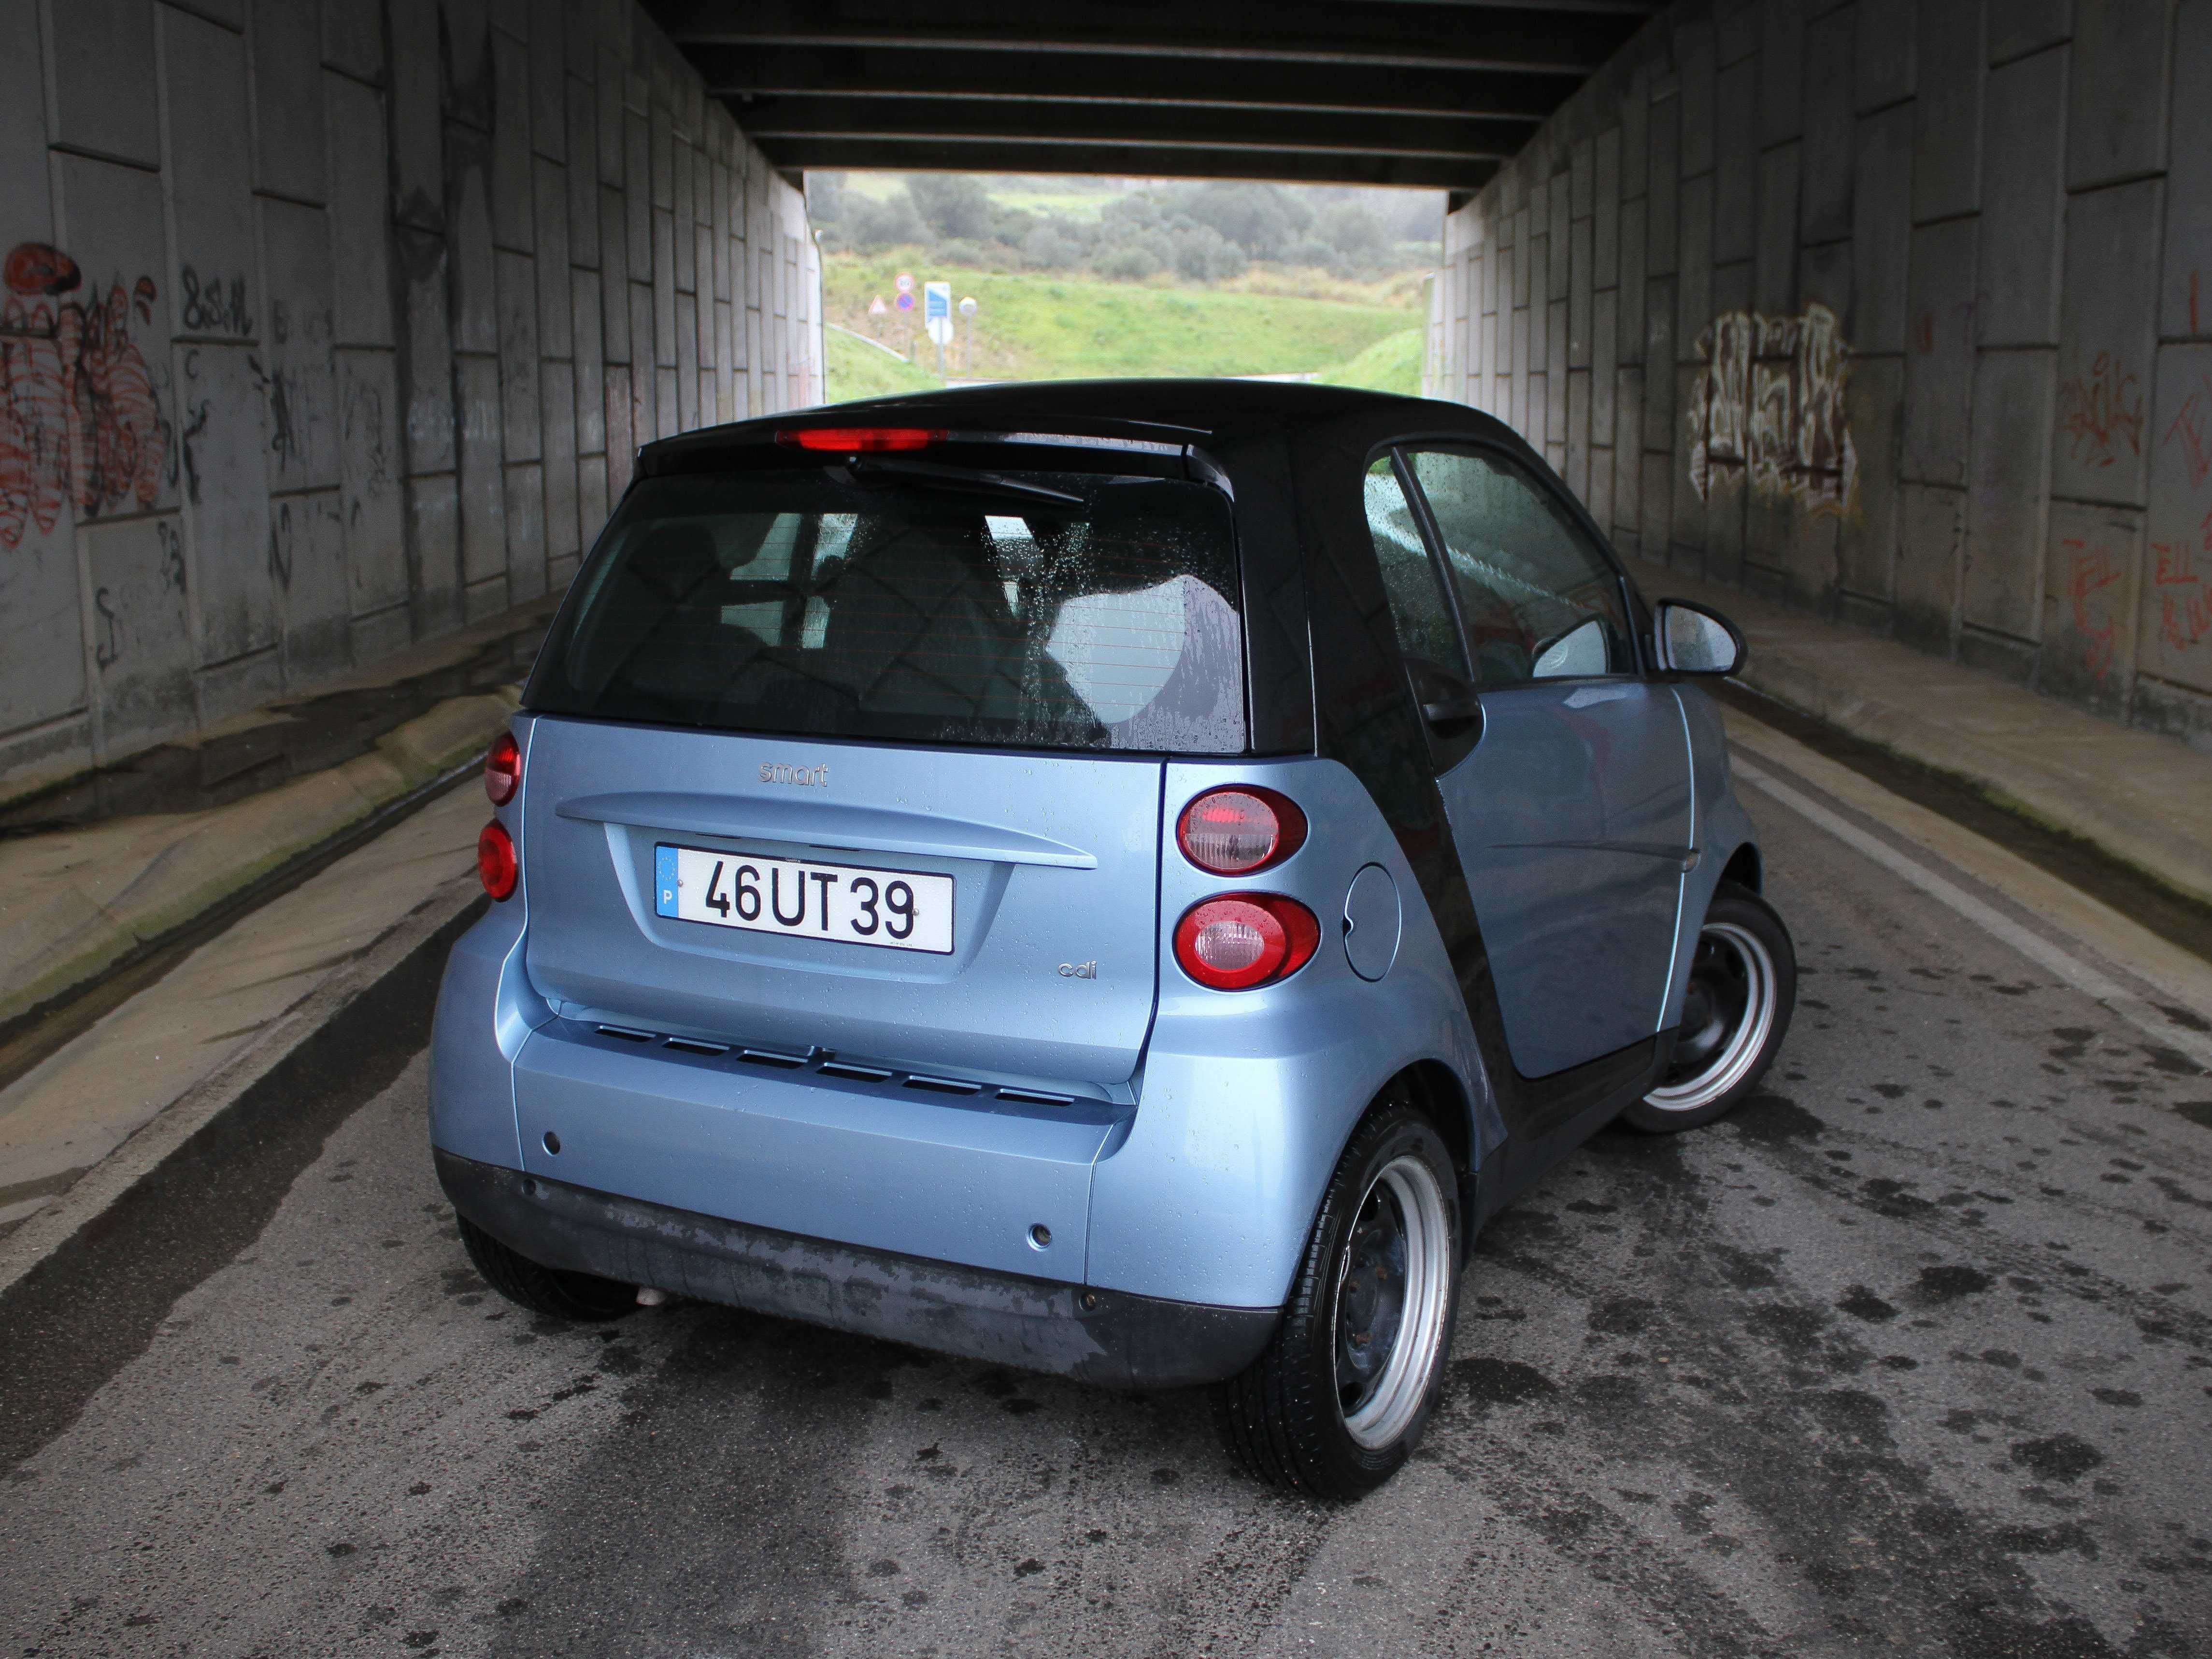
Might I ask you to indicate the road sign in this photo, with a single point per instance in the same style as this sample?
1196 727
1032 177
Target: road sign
876 307
937 311
906 303
968 307
905 283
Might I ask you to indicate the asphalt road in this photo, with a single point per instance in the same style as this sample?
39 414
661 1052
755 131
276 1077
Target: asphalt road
1910 1355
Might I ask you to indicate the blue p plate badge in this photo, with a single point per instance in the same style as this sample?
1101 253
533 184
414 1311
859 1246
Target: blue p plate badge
664 881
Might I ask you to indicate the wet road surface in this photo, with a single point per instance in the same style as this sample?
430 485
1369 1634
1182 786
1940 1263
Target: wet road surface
1910 1355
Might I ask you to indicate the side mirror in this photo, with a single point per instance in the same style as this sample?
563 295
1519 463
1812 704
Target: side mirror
1688 639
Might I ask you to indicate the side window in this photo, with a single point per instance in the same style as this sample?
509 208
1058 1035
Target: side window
1539 600
1426 630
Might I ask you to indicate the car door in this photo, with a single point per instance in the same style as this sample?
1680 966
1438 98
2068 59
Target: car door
1570 799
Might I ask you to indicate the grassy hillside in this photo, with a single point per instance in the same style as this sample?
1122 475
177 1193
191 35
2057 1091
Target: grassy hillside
853 368
1034 326
1392 363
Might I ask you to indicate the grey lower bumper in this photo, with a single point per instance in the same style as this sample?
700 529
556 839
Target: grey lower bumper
1037 1324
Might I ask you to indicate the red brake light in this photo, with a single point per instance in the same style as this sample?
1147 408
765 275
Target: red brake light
859 439
1242 939
495 864
503 770
1236 831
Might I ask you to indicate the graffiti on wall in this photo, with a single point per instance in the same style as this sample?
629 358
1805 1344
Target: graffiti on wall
2185 597
1768 406
2101 412
2090 570
80 422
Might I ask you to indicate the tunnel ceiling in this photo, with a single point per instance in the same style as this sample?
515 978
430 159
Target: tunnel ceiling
1428 92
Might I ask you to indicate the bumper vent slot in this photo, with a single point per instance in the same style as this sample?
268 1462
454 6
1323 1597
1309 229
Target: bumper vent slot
945 1085
771 1057
846 1068
693 1046
1035 1097
626 1034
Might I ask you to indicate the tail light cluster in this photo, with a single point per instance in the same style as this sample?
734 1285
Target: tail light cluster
1236 941
496 865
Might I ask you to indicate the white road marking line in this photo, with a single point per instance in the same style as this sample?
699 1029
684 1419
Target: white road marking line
2036 948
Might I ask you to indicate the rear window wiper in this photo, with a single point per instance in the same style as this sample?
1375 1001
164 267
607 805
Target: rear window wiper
872 472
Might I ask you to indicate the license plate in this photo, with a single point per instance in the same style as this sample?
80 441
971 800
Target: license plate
900 910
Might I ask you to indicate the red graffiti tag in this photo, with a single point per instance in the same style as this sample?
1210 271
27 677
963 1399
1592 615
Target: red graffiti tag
2091 569
2192 427
79 421
2185 603
2100 410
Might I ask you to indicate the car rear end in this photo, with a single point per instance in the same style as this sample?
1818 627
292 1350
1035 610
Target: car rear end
833 839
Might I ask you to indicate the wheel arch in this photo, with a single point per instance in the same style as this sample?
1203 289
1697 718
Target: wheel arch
1444 1097
1745 868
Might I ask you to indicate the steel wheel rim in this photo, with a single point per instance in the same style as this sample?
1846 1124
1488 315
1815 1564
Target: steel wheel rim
1399 1226
1729 956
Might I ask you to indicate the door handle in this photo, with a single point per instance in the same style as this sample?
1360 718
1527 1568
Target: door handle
1449 716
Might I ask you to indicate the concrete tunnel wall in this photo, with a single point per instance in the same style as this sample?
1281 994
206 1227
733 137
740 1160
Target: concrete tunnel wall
1899 313
332 325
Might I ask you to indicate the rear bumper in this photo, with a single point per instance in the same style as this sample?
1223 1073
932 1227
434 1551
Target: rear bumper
1108 1337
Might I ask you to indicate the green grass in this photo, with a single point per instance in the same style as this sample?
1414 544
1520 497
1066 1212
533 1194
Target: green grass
1392 363
853 368
1031 325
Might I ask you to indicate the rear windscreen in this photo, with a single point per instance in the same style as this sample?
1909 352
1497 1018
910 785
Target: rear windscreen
1066 611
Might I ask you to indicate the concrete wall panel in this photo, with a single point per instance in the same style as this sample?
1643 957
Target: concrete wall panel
483 496
1830 129
519 357
1735 162
371 501
2091 603
1782 71
1946 135
2099 451
2018 27
561 523
209 178
1883 62
360 235
1881 230
2186 270
590 364
1628 450
289 150
1940 353
426 358
417 125
2022 202
526 572
1580 319
353 38
1664 184
142 641
2176 613
224 435
1866 545
297 364
1932 547
2115 125
622 446
104 95
1777 285
1694 59
1632 283
555 315
475 264
307 560
2008 492
512 198
1693 288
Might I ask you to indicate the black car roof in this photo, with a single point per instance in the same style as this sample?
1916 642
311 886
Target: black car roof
1169 411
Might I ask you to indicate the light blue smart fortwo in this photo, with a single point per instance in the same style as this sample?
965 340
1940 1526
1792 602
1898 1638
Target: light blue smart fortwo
1120 879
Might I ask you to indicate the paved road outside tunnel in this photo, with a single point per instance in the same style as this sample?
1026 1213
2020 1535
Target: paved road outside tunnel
1909 1355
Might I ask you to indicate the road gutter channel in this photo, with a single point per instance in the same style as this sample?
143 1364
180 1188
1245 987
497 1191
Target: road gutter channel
2177 1015
321 1045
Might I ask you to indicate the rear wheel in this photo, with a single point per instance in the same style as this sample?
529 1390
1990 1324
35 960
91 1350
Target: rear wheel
1742 990
1346 1386
585 1298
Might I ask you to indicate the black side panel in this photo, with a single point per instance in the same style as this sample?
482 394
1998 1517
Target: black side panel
1366 718
1279 662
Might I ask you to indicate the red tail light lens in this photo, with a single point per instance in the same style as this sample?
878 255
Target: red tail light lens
859 439
1234 832
1242 939
503 770
495 863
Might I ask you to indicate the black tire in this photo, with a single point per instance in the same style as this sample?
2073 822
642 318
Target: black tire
583 1298
1285 1419
1743 988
